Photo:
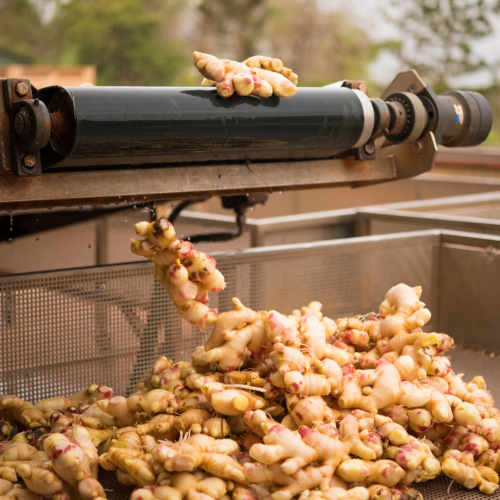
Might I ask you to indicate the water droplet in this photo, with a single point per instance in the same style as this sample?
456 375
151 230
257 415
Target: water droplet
253 208
126 220
144 197
281 192
10 239
11 229
90 246
189 238
135 207
183 235
119 196
103 286
37 238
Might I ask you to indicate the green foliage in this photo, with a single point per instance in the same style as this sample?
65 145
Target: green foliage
234 26
437 35
20 28
150 42
123 38
320 46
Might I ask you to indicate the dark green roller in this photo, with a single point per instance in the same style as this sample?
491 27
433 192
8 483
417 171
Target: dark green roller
172 125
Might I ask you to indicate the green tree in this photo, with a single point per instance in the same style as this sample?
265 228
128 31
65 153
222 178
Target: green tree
233 26
150 42
128 40
321 45
21 32
437 35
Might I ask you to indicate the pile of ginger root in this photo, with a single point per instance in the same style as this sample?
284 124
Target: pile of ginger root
258 75
272 407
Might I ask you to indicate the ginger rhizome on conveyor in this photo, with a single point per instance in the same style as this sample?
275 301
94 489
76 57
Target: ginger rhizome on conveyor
258 75
273 406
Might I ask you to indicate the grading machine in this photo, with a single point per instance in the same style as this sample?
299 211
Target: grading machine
62 146
96 146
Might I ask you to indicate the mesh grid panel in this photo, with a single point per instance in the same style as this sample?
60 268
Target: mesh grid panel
63 330
437 489
347 279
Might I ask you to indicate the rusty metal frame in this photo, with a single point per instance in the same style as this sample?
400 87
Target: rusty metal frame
392 162
168 183
164 183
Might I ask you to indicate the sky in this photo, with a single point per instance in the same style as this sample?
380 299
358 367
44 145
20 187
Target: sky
384 69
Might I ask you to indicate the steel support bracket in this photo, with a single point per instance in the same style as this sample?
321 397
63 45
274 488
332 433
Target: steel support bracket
14 158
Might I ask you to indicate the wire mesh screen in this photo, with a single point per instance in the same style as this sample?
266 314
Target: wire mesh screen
349 278
437 489
64 330
388 226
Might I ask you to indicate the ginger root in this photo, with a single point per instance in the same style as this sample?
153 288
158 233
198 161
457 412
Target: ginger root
257 75
188 289
271 64
384 472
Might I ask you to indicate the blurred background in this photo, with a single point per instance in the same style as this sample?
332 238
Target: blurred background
451 43
150 42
